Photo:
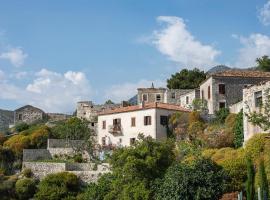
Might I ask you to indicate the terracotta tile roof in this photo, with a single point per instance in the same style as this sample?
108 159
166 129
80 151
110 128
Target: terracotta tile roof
242 73
146 106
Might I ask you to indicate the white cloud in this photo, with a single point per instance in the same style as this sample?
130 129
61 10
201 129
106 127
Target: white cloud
254 46
175 41
51 91
264 14
15 55
125 91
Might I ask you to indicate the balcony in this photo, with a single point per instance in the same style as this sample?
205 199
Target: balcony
115 129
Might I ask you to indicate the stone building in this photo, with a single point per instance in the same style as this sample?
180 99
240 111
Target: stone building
253 98
162 95
224 89
29 114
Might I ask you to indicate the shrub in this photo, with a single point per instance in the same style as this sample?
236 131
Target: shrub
221 115
27 172
202 179
58 186
21 127
17 143
25 188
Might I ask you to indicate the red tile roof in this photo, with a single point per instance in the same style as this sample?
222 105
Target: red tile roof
146 106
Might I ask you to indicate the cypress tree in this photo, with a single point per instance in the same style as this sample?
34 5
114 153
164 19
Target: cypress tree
263 184
250 189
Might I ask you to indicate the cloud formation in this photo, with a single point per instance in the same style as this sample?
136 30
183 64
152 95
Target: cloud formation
254 46
264 14
51 91
15 56
125 91
176 42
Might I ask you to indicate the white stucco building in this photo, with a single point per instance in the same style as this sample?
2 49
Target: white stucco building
121 126
253 97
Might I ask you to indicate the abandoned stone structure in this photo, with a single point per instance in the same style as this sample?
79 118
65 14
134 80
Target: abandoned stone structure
162 95
29 114
253 98
224 89
38 160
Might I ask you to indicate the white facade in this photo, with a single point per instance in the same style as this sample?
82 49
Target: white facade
126 133
252 97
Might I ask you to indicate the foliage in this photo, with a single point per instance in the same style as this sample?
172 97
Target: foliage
263 184
21 127
202 179
238 130
25 188
178 124
58 186
263 63
233 162
7 159
186 79
250 190
138 166
221 115
17 143
98 190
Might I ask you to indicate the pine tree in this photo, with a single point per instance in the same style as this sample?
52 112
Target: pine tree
250 190
263 184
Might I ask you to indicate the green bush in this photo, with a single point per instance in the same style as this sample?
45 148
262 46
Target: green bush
21 127
25 188
58 186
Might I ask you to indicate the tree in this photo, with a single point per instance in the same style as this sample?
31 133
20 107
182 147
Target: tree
186 79
58 186
238 130
137 167
25 188
263 183
250 190
263 63
201 179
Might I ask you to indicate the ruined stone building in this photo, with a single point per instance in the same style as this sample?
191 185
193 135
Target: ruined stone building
224 89
161 95
29 114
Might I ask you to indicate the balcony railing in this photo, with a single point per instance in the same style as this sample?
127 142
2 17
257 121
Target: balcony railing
115 129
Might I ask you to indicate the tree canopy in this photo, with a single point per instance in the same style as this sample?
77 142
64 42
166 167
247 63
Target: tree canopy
186 79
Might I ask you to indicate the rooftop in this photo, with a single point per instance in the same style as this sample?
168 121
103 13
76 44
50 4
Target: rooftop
145 107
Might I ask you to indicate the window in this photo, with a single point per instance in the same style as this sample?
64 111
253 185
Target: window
147 120
187 99
103 124
173 95
132 141
117 121
222 105
221 88
164 120
133 121
209 92
144 97
103 141
158 97
258 98
20 116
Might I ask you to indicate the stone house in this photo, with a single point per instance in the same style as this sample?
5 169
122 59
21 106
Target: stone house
162 95
223 89
253 97
29 114
121 126
186 100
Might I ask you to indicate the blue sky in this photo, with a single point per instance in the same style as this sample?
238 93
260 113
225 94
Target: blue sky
54 53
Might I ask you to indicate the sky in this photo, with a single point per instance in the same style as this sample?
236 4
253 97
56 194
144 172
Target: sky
55 53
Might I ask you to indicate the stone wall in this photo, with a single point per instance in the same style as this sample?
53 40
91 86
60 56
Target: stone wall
36 154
